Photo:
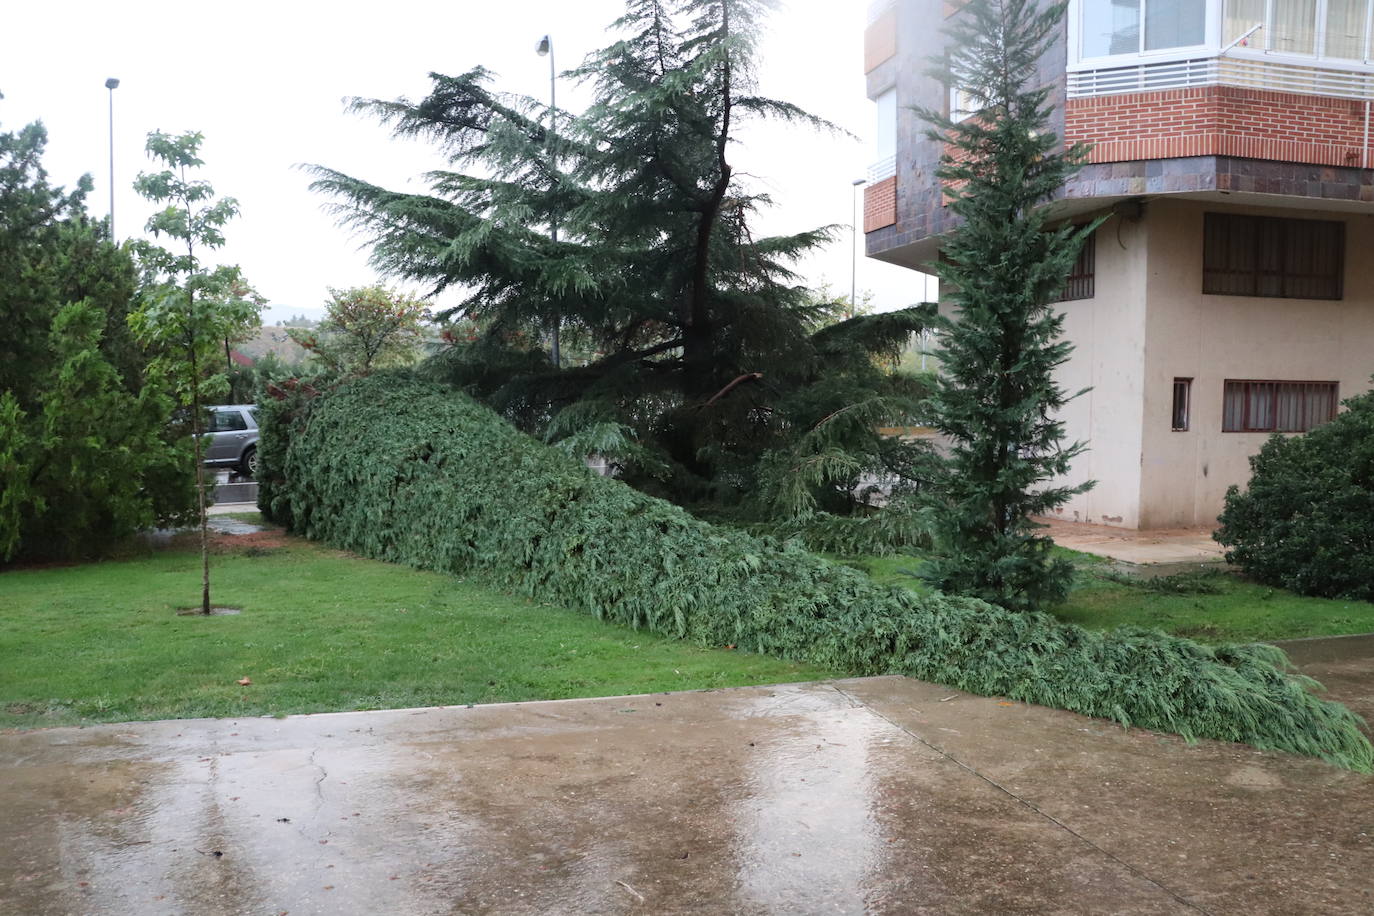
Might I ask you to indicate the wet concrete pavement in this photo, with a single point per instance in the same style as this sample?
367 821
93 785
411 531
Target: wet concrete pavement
1180 548
879 795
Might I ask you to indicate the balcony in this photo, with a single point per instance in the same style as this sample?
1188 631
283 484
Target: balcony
1283 80
1303 47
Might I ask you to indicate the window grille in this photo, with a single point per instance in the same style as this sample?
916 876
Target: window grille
1183 396
1082 280
1272 256
1271 406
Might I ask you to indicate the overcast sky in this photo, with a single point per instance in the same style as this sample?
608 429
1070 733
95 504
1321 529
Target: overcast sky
265 82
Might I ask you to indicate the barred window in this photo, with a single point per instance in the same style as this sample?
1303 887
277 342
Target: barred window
1272 256
1083 276
1270 406
1183 402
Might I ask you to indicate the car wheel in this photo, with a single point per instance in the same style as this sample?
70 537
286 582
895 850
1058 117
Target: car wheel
249 464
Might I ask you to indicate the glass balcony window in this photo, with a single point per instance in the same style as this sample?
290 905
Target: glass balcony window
1113 27
1336 30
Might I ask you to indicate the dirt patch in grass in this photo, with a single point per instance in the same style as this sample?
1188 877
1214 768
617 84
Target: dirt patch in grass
215 611
259 543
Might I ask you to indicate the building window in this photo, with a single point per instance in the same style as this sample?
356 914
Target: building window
1183 397
1282 407
886 134
1112 27
963 104
1083 276
1272 256
1339 29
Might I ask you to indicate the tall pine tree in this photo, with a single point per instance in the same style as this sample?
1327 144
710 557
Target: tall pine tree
1004 267
687 332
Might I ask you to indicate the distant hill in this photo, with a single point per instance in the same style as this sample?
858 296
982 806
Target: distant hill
272 339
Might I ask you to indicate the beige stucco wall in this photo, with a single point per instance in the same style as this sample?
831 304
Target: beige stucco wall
1184 475
1108 332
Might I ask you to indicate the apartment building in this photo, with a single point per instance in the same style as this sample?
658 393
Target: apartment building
1230 293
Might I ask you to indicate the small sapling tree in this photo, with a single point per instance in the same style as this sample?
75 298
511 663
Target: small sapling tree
187 310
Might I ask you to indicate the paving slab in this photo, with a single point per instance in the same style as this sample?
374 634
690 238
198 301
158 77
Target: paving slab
876 795
1174 547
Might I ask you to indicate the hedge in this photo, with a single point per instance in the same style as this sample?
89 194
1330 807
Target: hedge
1306 520
406 471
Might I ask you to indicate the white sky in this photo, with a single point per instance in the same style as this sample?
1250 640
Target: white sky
265 83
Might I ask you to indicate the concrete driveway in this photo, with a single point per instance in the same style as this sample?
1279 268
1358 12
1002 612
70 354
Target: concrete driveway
880 795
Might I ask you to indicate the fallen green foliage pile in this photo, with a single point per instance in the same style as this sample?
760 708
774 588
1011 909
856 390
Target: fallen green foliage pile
882 535
410 472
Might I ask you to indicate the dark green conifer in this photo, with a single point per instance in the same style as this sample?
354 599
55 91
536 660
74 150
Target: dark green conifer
682 331
1003 269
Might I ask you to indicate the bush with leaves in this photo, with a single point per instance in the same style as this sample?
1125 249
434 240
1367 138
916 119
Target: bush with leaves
86 453
1306 520
406 471
366 328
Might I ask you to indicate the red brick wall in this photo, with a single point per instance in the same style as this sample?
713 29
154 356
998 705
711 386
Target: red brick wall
1219 121
880 204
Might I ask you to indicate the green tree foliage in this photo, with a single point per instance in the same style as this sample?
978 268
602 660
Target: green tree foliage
186 310
366 328
86 454
997 401
409 472
694 336
1306 520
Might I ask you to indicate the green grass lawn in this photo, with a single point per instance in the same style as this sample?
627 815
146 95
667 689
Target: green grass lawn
320 631
1217 606
1236 611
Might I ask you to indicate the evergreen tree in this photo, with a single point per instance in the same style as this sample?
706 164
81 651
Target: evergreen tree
86 452
1004 267
691 331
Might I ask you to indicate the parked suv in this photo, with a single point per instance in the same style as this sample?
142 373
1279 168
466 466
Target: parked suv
232 438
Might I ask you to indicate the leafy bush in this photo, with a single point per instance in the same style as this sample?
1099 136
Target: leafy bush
406 471
1306 522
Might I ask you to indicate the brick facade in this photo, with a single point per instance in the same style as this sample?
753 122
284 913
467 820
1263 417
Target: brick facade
1219 121
880 204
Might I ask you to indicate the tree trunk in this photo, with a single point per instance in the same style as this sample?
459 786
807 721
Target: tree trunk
200 484
697 335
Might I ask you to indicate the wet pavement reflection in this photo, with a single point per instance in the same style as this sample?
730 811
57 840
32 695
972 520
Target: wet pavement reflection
878 795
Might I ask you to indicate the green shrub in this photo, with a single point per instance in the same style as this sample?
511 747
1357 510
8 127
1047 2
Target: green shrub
1306 521
409 472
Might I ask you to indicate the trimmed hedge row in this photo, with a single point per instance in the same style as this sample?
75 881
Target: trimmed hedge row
406 471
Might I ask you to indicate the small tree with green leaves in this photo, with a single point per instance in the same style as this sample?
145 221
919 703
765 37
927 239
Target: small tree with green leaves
366 327
187 310
998 400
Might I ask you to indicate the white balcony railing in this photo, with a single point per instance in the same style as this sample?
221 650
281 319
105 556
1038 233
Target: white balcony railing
1222 71
882 170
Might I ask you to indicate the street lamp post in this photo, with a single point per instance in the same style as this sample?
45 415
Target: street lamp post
854 243
545 49
112 84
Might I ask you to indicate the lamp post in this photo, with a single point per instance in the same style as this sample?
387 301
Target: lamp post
545 49
112 84
854 243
